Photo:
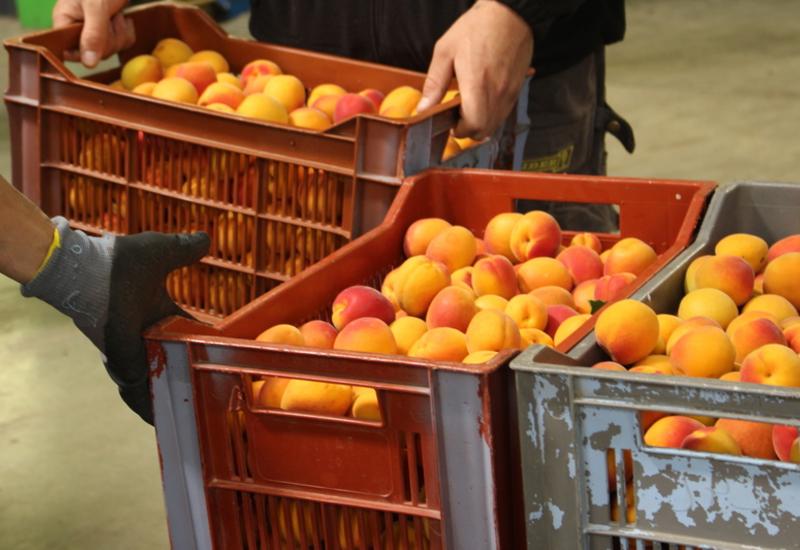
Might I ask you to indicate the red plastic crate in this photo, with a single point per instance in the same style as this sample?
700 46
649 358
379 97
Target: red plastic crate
441 458
274 198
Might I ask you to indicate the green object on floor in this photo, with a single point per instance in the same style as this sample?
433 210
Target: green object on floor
35 14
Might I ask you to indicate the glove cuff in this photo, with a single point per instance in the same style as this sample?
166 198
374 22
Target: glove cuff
76 278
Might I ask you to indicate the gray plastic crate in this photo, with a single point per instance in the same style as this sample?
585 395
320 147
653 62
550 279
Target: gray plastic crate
570 416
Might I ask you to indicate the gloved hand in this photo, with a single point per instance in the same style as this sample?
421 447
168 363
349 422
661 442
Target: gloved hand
113 289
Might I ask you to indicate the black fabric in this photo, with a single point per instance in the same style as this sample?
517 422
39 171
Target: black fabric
137 300
403 33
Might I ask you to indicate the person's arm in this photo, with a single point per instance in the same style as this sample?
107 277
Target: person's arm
105 30
25 235
112 287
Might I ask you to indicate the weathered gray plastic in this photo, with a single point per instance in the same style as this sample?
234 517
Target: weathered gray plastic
570 416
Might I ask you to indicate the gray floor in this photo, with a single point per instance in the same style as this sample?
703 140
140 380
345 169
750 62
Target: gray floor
711 88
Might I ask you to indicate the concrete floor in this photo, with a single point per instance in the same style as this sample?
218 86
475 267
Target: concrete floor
711 88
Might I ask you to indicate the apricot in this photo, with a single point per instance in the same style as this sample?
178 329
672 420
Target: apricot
441 344
420 234
750 248
753 334
629 255
452 307
291 510
748 316
730 274
145 88
527 311
212 58
420 284
589 240
754 438
535 234
494 275
272 391
792 336
307 117
201 75
772 365
543 271
229 78
259 67
234 235
492 330
758 284
583 295
400 102
451 149
322 90
497 234
778 306
220 107
781 277
783 246
794 452
628 330
287 90
557 314
449 96
609 365
491 301
704 352
670 431
604 256
782 439
712 439
689 279
317 397
789 321
568 327
582 263
611 288
171 51
318 334
552 295
117 85
141 69
263 107
360 301
732 376
407 330
282 334
366 335
652 360
659 368
711 303
365 405
348 105
666 325
462 277
687 326
455 247
256 84
220 92
479 357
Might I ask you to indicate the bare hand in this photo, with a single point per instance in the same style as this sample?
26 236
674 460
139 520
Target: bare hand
105 30
489 50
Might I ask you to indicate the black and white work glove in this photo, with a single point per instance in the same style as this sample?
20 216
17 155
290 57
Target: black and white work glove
113 288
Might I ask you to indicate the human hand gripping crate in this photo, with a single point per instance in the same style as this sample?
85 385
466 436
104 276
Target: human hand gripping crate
695 443
395 427
255 144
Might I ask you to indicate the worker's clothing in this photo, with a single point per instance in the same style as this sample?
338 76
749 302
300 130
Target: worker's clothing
113 289
567 107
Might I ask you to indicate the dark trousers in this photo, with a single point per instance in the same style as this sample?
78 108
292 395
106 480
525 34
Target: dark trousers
569 120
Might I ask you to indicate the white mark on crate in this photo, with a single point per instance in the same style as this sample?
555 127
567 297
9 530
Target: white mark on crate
536 513
678 196
571 465
557 514
701 490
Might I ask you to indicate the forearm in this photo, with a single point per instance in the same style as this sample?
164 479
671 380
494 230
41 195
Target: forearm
25 235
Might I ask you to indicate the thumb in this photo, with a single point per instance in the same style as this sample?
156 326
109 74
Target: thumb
95 33
440 73
185 249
